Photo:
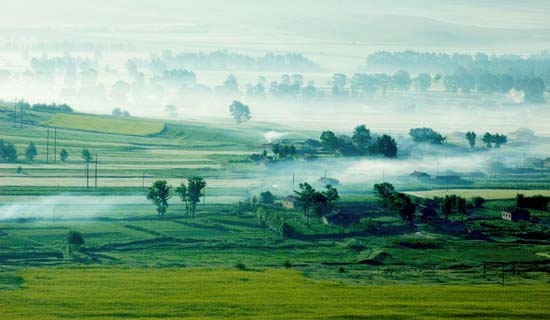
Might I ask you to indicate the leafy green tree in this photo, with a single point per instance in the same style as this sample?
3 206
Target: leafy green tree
239 111
195 186
386 146
329 140
422 82
446 207
361 137
488 139
471 137
30 152
384 191
184 196
267 197
428 135
159 194
74 241
404 206
63 155
305 197
401 80
8 152
499 139
461 207
86 155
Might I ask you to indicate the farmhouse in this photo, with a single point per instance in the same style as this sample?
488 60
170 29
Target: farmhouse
289 202
516 215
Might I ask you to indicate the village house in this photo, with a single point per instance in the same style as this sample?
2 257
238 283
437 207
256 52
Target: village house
289 202
516 215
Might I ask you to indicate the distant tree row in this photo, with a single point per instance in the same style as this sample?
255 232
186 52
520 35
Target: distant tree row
8 152
489 139
427 135
537 65
360 143
283 151
223 60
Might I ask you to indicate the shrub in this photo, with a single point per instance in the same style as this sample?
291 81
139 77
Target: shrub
241 266
287 264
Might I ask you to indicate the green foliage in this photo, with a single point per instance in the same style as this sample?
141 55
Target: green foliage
267 198
471 137
385 145
30 152
496 139
283 151
86 155
422 82
329 141
8 152
75 238
361 137
239 111
384 192
159 194
195 187
63 155
426 135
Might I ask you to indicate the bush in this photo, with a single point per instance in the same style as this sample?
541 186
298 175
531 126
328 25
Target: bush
239 265
75 238
287 264
417 243
478 202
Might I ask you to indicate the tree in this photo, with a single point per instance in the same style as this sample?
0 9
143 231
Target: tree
305 197
401 80
461 207
63 155
386 146
329 141
159 194
471 137
74 240
499 139
184 196
30 152
116 112
239 111
267 197
338 82
195 186
384 191
86 155
428 135
487 139
423 82
8 152
404 206
361 137
447 207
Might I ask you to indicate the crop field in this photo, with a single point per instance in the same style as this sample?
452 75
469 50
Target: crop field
105 124
214 293
226 261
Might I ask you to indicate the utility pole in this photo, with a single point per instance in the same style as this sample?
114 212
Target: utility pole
293 181
48 145
96 171
54 145
21 111
15 113
87 174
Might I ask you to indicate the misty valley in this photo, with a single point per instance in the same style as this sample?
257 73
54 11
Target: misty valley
274 161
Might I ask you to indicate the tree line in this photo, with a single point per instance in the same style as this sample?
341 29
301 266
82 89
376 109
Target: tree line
189 193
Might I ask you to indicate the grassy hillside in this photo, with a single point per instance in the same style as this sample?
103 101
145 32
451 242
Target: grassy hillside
129 126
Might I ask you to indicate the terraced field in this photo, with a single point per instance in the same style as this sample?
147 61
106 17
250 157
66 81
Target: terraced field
129 126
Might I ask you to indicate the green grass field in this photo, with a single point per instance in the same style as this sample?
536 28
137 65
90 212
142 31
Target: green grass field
214 293
129 126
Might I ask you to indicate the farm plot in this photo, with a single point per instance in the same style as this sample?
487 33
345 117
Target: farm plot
214 293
